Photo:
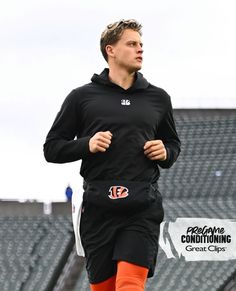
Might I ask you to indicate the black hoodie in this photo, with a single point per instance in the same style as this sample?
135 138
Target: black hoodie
136 115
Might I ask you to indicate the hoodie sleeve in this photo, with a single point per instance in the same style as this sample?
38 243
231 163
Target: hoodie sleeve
60 145
168 134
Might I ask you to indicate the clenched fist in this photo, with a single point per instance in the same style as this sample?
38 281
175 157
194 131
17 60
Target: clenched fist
155 150
100 142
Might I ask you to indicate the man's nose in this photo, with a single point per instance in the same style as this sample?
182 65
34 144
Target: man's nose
140 49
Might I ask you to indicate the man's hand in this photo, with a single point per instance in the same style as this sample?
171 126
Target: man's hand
100 142
155 150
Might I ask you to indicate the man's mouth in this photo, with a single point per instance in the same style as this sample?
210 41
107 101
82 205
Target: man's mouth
140 59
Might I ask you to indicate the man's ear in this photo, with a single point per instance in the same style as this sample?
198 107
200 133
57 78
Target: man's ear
110 50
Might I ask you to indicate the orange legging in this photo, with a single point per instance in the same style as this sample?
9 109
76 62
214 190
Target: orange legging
129 277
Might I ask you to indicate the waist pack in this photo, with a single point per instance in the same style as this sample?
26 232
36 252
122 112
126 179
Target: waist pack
120 195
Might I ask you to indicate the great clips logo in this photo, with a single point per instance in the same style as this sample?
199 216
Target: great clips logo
199 239
213 235
117 192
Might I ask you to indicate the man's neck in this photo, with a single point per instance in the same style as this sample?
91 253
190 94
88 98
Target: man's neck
121 78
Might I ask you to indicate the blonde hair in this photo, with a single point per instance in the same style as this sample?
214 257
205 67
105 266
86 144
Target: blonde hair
114 31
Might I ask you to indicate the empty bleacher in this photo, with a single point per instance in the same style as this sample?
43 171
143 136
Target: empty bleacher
202 183
33 247
207 164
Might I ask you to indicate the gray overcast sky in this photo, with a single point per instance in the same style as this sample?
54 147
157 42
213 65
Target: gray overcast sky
50 47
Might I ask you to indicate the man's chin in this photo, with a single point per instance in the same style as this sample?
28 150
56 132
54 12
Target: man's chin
135 69
139 66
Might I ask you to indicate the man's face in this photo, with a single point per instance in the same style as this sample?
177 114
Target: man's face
127 52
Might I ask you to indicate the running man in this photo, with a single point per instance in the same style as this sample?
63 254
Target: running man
122 128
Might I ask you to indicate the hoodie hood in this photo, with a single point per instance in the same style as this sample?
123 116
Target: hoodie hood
103 79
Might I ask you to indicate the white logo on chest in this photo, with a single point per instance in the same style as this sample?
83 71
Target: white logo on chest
125 102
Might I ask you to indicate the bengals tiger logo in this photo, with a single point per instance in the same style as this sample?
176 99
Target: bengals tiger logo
117 192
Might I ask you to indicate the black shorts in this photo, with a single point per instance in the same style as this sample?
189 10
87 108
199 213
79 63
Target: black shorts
110 237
